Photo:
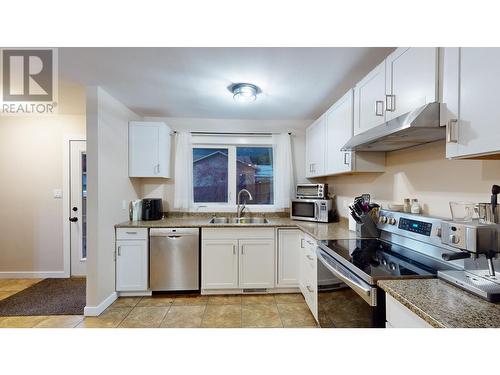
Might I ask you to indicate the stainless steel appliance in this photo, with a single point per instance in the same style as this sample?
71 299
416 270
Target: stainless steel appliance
135 210
174 259
473 239
311 191
152 209
320 210
416 127
409 246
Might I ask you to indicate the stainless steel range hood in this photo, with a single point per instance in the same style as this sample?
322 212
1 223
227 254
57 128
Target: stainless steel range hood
413 128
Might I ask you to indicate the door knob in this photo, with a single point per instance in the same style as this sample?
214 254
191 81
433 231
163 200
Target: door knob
73 219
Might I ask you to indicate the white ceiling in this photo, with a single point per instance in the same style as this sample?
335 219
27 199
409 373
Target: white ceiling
296 83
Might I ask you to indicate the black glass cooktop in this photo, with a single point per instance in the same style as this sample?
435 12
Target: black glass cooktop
382 260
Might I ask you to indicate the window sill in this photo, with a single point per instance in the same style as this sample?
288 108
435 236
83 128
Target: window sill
257 208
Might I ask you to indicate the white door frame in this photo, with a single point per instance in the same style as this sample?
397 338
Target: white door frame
66 189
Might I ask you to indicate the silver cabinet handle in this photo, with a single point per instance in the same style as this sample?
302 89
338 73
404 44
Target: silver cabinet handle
309 257
450 138
345 159
392 106
234 249
242 249
301 243
379 104
131 232
119 250
311 290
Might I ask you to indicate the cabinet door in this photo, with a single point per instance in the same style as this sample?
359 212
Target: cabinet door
256 263
411 80
315 148
479 109
131 265
143 149
149 149
219 264
369 100
289 250
451 89
339 129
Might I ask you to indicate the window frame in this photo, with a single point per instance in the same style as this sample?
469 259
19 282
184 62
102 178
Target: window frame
232 143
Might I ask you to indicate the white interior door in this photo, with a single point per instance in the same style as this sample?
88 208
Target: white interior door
78 207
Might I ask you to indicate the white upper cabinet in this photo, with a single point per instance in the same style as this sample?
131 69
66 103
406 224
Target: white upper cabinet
369 100
471 78
339 129
149 149
315 148
411 80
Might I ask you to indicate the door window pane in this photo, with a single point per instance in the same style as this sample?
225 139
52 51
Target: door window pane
254 172
84 206
210 175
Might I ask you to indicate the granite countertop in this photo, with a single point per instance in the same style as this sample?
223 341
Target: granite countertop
442 305
319 231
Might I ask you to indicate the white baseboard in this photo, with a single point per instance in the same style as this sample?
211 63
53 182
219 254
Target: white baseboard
240 291
97 310
32 275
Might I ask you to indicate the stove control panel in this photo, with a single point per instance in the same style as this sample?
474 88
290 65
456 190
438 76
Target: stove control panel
415 226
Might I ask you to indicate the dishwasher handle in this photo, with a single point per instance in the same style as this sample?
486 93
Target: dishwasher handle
173 232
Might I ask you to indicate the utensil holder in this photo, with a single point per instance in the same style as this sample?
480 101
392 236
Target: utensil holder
367 228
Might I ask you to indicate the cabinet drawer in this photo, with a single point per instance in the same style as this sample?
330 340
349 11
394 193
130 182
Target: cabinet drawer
131 233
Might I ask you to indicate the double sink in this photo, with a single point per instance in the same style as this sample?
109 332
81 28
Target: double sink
240 220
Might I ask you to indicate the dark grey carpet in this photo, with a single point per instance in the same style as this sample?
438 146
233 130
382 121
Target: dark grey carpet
48 297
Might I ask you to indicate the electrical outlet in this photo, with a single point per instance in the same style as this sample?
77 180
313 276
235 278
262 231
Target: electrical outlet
57 193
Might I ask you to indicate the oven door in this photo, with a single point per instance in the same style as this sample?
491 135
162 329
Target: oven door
359 305
305 209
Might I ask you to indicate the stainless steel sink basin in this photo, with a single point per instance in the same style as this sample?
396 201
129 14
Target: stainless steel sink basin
241 220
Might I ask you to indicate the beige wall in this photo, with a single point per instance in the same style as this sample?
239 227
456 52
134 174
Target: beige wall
108 187
31 167
160 188
421 172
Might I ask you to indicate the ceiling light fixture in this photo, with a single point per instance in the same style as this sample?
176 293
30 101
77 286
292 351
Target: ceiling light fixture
245 92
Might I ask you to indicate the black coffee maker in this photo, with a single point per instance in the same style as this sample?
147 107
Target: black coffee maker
152 209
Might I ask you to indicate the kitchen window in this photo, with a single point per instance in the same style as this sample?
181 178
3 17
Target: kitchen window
220 172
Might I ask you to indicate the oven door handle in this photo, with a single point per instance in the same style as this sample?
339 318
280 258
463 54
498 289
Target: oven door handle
364 290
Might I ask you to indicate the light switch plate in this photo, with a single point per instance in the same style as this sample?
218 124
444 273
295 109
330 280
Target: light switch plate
57 193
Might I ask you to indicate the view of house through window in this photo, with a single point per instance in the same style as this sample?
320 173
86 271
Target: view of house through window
254 172
251 168
210 175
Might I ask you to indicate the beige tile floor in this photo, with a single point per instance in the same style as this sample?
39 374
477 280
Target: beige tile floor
175 311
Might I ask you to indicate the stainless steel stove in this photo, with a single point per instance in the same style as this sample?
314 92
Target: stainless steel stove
409 246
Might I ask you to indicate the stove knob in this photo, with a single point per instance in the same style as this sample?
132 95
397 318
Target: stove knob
384 262
454 239
382 219
392 221
392 266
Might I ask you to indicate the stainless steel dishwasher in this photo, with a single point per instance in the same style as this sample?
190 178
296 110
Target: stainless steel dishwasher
174 255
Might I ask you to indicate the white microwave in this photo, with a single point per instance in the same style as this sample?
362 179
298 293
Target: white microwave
319 210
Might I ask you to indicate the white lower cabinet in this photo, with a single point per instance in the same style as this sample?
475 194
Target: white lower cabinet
399 316
308 274
289 252
256 264
242 258
219 264
131 260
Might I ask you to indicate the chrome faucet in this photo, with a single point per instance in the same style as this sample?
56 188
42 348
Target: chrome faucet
239 212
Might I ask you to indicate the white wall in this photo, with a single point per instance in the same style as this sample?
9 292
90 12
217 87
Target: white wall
159 188
421 172
108 187
31 167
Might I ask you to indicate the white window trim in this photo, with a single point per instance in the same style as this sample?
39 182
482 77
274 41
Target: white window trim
231 143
